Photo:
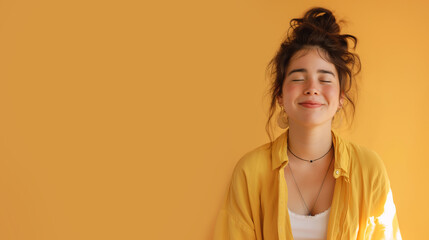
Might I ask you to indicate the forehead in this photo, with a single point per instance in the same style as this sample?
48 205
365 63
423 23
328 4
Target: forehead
312 57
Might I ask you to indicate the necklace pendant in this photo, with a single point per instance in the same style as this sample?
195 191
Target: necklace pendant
311 161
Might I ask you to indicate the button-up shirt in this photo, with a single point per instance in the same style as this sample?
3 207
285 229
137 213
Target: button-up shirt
256 203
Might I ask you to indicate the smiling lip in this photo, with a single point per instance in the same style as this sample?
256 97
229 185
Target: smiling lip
310 104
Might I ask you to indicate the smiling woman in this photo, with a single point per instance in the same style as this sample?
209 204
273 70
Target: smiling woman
317 78
309 183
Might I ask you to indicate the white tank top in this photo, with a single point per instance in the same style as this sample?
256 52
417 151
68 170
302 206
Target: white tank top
309 227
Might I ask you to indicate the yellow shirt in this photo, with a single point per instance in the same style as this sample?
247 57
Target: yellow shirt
256 204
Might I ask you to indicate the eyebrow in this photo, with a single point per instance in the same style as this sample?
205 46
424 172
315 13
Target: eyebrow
304 70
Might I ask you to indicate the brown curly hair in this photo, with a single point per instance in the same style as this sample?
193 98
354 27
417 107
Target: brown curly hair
318 28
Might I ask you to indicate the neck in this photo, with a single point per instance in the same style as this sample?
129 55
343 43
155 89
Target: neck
309 143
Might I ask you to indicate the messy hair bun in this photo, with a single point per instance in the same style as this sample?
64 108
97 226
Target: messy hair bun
318 28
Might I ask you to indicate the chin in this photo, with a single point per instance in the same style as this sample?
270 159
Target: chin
312 122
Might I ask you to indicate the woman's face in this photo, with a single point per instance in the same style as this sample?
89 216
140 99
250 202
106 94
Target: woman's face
311 89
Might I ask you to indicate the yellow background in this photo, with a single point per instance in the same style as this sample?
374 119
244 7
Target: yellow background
124 119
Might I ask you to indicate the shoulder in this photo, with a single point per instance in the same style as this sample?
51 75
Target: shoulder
366 158
367 165
254 160
253 168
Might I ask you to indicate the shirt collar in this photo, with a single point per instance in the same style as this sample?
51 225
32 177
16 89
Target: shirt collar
342 156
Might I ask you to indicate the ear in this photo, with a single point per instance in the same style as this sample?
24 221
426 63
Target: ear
342 97
279 99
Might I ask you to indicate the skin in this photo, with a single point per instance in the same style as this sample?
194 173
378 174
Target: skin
310 134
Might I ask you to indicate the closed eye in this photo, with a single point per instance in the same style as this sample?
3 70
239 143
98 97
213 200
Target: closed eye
325 81
297 80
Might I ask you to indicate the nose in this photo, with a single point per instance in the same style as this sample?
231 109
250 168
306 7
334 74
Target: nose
311 86
311 91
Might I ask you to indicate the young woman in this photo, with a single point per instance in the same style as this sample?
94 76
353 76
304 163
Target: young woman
309 183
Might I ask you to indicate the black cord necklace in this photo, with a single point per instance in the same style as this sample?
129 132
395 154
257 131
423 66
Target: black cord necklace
311 161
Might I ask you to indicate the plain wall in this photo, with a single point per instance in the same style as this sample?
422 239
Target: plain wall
124 119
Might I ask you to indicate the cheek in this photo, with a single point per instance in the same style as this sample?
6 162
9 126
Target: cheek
289 93
291 89
333 93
